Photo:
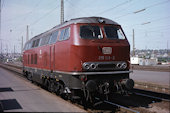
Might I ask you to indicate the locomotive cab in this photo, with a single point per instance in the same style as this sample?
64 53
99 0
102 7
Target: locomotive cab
101 52
99 47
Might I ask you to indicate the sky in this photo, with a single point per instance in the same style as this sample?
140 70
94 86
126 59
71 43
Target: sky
150 19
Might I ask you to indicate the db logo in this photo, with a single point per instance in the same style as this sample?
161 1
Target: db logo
107 50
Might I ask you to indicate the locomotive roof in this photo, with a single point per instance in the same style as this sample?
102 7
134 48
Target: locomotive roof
78 20
92 20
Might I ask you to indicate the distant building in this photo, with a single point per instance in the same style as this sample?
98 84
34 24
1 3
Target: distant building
1 57
143 61
152 61
135 60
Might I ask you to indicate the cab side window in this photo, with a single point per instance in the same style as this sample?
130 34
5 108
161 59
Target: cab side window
61 35
64 34
53 37
45 40
37 43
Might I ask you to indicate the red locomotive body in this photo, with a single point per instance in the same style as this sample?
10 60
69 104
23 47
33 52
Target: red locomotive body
88 54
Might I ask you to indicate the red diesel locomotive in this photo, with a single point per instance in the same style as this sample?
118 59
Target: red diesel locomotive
83 56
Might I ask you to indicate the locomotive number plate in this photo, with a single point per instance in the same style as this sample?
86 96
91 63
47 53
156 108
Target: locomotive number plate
106 58
107 50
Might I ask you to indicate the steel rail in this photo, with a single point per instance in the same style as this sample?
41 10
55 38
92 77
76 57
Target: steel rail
159 98
120 106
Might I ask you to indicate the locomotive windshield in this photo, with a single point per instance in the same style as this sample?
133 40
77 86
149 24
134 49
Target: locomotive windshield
90 32
113 32
94 32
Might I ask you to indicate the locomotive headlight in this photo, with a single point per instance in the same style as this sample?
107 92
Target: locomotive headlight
124 65
118 65
93 66
86 66
100 20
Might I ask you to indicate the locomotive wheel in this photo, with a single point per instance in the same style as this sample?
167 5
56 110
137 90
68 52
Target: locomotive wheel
88 99
51 86
84 102
29 76
24 73
76 96
45 83
59 89
91 102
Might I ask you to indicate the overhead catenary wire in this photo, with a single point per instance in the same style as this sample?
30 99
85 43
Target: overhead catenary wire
33 10
45 15
147 7
148 22
42 17
36 21
159 3
128 6
158 28
138 11
28 14
155 20
74 6
3 2
25 15
22 32
159 19
107 10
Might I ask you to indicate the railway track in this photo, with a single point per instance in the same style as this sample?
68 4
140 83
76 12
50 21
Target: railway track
114 105
164 89
118 106
150 94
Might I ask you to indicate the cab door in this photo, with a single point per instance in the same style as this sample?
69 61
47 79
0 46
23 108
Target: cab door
52 58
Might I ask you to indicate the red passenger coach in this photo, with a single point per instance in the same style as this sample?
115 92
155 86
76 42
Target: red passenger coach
83 56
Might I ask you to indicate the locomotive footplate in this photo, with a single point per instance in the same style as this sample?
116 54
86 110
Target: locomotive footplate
95 73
